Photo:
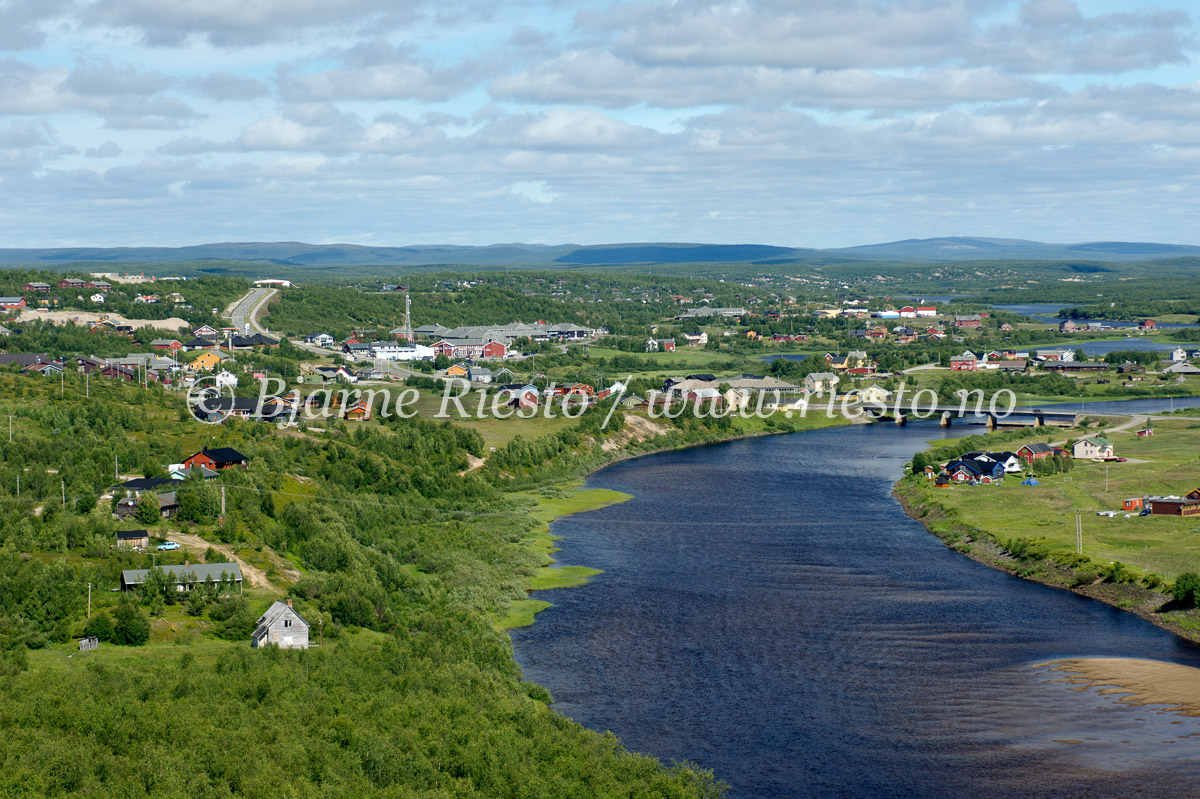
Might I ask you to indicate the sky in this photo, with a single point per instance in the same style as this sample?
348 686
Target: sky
811 123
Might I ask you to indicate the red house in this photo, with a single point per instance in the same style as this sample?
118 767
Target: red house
1146 324
497 350
961 363
667 344
1133 503
1035 452
219 458
12 303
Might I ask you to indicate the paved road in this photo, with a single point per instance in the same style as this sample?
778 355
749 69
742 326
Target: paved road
245 310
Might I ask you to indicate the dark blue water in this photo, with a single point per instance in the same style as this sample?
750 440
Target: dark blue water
1100 348
769 612
1044 312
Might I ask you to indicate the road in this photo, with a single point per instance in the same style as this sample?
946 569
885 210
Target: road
244 311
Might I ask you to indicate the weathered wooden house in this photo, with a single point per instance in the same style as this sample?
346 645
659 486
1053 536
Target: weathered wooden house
280 626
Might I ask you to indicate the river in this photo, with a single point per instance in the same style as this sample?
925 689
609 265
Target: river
769 612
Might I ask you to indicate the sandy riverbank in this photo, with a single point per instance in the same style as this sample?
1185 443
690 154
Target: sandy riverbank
1143 682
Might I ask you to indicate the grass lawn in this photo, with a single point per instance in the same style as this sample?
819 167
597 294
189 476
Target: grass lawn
1165 545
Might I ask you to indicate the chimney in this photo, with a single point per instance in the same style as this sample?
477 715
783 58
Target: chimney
186 565
289 603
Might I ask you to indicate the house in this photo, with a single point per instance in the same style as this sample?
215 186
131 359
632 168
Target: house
926 310
1174 506
1145 432
207 331
495 351
820 382
696 339
1129 368
169 344
126 373
12 303
219 458
140 485
132 539
523 396
970 470
319 340
1008 460
908 312
1133 503
458 370
1035 452
1181 369
97 298
369 373
478 374
35 287
667 344
50 369
168 505
1074 367
206 361
181 472
1146 324
1092 447
359 411
72 283
199 344
280 626
964 363
187 576
970 321
873 395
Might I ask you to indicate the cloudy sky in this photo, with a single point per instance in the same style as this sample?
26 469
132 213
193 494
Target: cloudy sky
792 122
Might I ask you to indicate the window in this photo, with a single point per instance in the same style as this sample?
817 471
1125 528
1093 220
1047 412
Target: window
287 622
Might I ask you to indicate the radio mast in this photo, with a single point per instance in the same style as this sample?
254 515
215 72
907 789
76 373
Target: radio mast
408 329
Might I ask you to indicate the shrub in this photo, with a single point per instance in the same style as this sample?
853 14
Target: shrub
1187 589
100 626
132 626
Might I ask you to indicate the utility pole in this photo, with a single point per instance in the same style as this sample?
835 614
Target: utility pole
63 483
116 467
1078 532
89 600
10 418
222 500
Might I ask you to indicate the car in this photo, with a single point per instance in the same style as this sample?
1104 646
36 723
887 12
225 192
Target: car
167 547
1121 460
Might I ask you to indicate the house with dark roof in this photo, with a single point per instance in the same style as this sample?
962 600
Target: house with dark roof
187 576
133 539
219 458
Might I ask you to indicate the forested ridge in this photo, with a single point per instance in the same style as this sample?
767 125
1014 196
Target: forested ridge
402 563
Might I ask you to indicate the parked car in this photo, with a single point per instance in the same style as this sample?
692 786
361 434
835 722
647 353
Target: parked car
167 547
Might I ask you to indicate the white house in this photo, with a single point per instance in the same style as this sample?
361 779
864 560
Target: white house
226 379
1179 354
320 340
388 351
1092 447
97 298
874 395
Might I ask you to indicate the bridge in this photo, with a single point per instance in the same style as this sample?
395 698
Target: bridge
949 414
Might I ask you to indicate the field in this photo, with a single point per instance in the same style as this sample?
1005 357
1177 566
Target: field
1165 463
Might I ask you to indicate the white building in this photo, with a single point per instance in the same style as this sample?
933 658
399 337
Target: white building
226 379
387 351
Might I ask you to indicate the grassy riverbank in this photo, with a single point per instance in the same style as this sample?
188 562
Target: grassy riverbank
1029 531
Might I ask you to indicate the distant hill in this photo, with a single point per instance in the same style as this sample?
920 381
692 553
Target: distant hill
964 248
299 254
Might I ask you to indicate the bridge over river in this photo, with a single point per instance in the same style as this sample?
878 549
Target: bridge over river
948 415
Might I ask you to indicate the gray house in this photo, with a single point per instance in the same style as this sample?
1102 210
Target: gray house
280 626
187 576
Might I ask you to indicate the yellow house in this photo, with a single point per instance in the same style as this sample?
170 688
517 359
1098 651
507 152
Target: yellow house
206 362
456 370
